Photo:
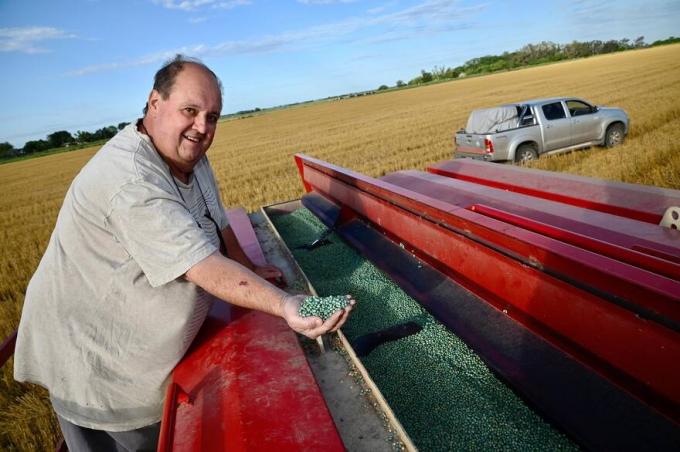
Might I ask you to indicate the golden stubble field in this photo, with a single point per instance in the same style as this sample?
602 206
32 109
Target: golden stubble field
412 128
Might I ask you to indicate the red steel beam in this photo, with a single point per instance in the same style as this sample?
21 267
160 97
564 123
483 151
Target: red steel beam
649 283
648 290
627 200
481 253
631 256
620 231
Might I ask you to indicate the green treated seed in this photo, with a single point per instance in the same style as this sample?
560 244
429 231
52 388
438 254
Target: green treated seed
323 307
443 394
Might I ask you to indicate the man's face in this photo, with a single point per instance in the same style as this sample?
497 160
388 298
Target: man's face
183 125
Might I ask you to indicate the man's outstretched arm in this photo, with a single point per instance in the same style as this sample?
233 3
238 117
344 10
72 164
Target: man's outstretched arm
230 281
235 252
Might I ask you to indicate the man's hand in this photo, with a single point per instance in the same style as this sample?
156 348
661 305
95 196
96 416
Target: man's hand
312 327
271 274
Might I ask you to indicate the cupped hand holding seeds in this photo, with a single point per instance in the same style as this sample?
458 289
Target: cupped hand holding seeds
314 325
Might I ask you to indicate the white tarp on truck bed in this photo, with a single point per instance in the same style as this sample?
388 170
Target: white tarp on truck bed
490 120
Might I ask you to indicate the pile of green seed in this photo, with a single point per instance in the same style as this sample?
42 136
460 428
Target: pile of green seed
323 307
441 391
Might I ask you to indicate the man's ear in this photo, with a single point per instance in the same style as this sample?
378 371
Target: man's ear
154 98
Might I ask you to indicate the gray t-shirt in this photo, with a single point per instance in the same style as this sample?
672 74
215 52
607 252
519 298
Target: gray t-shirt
107 315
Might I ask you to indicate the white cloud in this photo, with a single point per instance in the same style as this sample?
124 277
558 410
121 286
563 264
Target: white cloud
429 17
26 39
192 5
376 10
232 4
194 51
324 2
430 12
589 18
186 5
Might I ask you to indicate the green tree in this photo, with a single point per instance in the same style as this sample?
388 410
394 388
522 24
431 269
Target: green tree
670 40
83 136
611 46
444 73
59 139
122 125
383 87
425 76
105 133
400 83
34 146
6 150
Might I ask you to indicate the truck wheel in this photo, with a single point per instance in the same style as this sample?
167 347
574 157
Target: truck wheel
525 153
614 136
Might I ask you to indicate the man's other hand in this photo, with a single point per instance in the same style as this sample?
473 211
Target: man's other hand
270 273
312 327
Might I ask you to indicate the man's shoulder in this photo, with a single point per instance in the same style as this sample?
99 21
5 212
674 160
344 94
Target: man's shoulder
130 147
125 159
130 156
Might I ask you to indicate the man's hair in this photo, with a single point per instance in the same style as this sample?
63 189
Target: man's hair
165 78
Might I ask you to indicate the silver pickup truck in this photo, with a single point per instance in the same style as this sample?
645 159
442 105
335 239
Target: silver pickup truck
523 131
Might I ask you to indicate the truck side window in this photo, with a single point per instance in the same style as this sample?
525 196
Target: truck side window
527 120
578 108
553 111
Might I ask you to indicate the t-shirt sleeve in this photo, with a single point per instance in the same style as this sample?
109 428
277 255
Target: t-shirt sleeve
157 231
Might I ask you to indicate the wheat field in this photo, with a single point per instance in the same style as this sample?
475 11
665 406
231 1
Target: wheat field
411 128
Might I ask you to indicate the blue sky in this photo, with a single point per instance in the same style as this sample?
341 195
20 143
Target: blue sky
84 64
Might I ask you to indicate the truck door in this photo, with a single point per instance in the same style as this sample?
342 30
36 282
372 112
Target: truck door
585 126
556 126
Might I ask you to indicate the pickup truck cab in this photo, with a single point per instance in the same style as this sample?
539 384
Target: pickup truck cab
526 130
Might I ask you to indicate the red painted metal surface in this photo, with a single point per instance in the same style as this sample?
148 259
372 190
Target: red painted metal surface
621 231
7 348
651 291
590 305
627 200
239 221
245 384
656 288
642 260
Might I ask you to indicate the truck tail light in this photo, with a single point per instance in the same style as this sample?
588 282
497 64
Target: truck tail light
488 145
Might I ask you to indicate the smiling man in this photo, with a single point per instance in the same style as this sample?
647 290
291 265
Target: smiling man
136 259
181 116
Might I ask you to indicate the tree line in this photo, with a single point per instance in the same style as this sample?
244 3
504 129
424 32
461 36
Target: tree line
60 139
530 54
